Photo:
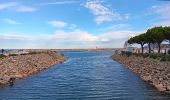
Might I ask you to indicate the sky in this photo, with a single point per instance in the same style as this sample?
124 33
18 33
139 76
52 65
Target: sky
65 24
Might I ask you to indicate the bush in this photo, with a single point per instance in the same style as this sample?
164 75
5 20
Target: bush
163 59
146 55
168 58
159 57
126 53
13 54
153 56
32 53
2 56
24 54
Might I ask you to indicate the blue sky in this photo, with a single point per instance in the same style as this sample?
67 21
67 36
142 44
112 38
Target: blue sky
77 23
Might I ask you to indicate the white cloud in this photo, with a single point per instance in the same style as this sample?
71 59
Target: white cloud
162 11
14 36
63 39
57 23
115 27
10 21
97 8
101 19
162 23
16 7
60 3
73 36
116 35
25 9
103 13
7 5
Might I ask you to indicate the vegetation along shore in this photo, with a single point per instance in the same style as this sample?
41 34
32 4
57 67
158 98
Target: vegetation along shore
18 66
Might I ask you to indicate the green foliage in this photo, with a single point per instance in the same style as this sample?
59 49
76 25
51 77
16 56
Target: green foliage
13 54
153 35
2 56
168 58
24 54
146 55
167 33
163 59
126 53
160 57
139 39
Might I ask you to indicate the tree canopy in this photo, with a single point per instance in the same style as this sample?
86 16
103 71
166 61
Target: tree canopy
155 35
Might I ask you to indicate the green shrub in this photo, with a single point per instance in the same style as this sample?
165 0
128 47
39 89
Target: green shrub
145 55
168 58
32 53
163 59
24 54
2 56
13 54
153 56
126 53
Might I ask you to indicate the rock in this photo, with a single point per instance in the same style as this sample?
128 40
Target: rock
155 72
168 88
25 65
160 87
147 78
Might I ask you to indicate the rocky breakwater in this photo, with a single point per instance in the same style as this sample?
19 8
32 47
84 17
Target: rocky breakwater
20 66
155 72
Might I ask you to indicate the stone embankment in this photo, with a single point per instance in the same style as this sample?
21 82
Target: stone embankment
20 66
155 72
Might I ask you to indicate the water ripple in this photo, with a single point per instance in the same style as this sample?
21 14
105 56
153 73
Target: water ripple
87 76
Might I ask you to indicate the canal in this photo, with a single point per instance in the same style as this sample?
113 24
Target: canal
87 76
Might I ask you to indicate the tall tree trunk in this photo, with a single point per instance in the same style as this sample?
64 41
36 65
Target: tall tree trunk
142 48
159 47
153 46
149 47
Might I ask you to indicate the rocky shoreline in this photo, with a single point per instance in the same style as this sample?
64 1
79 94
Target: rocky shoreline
155 72
20 66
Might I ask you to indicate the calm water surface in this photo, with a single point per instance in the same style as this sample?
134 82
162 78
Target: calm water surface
87 76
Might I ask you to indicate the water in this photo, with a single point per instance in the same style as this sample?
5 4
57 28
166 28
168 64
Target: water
86 75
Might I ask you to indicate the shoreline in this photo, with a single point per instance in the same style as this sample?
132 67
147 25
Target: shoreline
154 72
20 66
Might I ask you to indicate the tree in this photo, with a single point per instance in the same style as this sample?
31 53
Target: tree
140 39
149 39
158 35
167 33
131 40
